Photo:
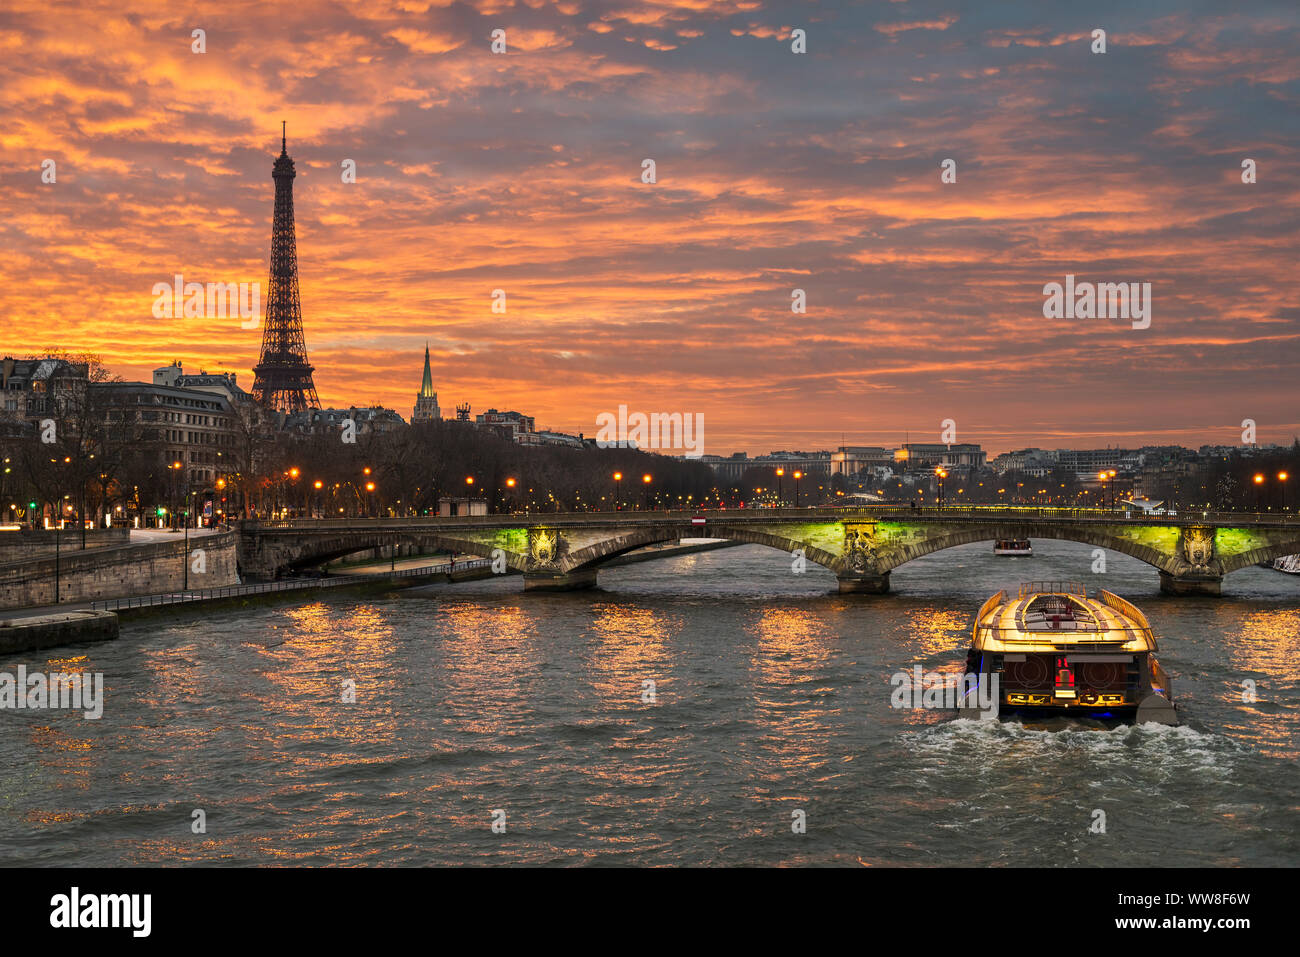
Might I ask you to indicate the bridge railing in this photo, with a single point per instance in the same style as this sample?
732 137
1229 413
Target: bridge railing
989 513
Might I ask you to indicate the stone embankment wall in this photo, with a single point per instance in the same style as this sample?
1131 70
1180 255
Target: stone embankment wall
53 631
120 572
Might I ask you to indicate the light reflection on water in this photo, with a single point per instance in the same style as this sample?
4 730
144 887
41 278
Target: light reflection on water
771 695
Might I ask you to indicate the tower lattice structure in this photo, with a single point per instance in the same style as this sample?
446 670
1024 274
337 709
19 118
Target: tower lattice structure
282 377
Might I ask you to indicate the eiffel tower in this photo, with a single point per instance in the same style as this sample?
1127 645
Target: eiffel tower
282 378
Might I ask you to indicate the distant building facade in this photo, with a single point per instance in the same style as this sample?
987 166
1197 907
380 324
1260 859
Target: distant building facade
191 426
370 420
1036 462
925 455
510 424
31 389
1086 463
810 463
730 468
550 438
852 459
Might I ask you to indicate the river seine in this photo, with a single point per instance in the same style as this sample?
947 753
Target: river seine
769 714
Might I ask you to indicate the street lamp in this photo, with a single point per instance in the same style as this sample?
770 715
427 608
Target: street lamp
1111 474
1282 477
185 555
1259 491
175 468
618 490
780 495
797 477
370 488
942 473
646 480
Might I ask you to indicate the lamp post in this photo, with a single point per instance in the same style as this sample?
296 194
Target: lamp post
1259 491
1111 474
1281 478
780 494
185 555
618 491
645 479
218 488
175 468
797 477
942 474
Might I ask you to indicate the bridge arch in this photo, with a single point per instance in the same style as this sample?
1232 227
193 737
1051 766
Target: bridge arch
1081 534
600 553
316 551
1265 553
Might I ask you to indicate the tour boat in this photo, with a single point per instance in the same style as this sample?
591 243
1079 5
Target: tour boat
1052 650
1012 546
1287 563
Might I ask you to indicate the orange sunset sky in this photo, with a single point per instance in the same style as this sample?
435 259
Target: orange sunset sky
820 171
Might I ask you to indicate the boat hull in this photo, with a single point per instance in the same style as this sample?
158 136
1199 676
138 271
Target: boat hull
1155 708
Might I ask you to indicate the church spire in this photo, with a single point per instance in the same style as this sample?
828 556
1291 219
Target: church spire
426 387
426 403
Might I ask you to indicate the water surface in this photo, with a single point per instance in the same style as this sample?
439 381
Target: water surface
772 696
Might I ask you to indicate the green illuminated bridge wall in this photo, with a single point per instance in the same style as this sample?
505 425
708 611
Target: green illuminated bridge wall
1192 551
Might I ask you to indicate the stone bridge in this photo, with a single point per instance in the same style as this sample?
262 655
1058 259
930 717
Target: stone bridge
560 551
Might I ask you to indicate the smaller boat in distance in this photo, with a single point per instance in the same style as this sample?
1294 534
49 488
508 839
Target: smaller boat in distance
1012 546
1053 650
1287 563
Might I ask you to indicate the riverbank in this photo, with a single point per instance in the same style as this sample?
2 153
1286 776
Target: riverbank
35 632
